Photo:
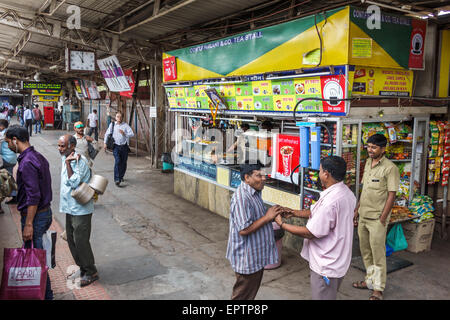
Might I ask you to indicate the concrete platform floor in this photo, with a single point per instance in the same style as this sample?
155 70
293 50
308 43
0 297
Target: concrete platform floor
150 244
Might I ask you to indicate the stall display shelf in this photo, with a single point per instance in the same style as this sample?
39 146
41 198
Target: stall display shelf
401 160
412 217
312 190
201 143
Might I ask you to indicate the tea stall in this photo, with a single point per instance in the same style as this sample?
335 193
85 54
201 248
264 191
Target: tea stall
313 98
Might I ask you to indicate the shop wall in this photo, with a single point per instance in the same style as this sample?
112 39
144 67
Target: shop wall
443 89
140 128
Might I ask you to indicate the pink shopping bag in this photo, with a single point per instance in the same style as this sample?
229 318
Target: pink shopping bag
24 274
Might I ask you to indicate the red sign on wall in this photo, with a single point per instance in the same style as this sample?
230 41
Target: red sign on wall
333 89
130 79
417 47
170 69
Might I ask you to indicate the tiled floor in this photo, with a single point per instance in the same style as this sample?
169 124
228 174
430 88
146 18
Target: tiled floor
62 288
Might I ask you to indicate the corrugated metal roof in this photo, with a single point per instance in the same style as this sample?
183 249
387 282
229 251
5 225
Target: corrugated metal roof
192 14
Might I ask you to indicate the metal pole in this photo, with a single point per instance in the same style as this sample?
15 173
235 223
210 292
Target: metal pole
302 191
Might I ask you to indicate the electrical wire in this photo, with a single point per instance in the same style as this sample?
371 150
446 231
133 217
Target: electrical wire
317 99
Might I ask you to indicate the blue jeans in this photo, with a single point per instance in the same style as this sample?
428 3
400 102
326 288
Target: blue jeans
41 224
36 126
95 131
120 164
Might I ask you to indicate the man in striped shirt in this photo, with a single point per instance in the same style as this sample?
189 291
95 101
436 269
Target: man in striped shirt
251 242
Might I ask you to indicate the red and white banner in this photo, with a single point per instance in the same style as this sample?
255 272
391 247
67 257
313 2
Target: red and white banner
130 79
285 157
170 69
417 47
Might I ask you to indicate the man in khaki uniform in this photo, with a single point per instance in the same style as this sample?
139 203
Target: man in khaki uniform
380 184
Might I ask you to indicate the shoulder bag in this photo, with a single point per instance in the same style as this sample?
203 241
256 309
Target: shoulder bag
110 140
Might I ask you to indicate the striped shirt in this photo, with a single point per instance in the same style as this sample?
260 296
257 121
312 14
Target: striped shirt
251 253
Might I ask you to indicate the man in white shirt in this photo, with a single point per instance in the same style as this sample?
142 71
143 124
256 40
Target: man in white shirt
121 133
93 124
28 119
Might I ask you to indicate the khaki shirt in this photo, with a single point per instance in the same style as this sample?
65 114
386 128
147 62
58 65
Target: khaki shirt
377 182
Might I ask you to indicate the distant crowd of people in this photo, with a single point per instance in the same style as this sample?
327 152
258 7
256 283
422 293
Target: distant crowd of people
27 117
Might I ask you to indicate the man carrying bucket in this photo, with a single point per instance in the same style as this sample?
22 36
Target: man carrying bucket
75 170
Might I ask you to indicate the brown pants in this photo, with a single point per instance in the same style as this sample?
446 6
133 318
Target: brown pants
247 285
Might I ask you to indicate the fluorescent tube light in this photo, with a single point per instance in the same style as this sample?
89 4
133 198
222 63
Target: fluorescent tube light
302 75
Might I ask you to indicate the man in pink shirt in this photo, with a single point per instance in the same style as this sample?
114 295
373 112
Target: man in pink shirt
329 231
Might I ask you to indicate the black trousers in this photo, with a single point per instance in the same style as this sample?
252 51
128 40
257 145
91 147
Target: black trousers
29 126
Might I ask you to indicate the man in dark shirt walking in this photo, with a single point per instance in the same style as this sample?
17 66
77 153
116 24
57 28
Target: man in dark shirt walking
34 191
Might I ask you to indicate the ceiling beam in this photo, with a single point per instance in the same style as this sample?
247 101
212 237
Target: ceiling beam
93 39
157 14
51 5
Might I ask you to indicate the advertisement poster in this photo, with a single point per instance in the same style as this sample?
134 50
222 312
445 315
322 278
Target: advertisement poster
86 89
333 89
170 69
276 95
130 79
114 76
286 151
382 82
92 90
419 29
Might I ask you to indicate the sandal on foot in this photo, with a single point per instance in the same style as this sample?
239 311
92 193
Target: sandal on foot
376 297
360 285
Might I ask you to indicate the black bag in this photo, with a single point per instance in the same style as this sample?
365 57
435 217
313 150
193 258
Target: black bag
92 151
110 140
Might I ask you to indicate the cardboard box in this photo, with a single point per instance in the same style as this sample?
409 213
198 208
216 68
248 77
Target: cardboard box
419 235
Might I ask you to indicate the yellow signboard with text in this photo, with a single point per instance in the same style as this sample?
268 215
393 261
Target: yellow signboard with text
382 82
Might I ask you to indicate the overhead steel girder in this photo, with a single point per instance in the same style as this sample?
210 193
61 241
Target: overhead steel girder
57 29
21 43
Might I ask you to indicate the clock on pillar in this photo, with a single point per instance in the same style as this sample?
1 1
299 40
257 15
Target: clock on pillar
80 60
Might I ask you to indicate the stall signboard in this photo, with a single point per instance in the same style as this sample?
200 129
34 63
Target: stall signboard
275 48
46 92
345 33
113 74
382 82
41 85
398 41
48 98
286 157
279 95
